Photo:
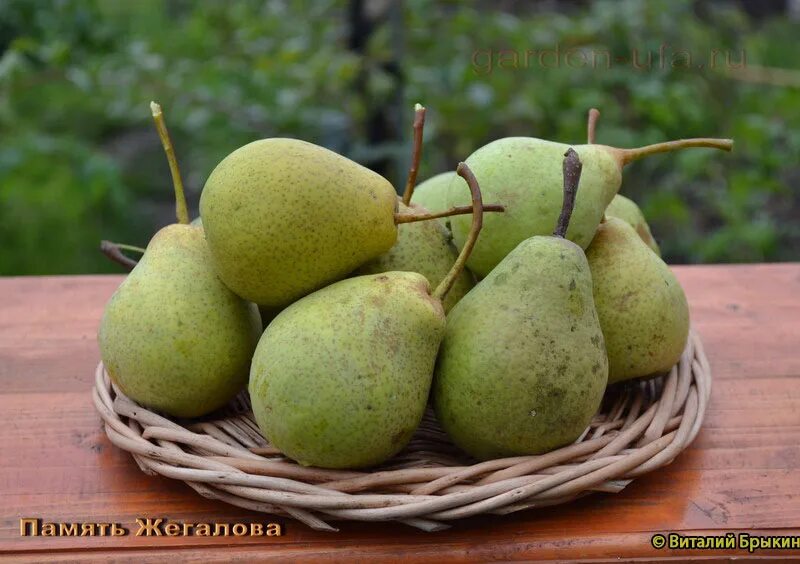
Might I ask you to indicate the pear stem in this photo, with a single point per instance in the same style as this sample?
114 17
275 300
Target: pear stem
455 210
572 176
416 153
132 248
113 252
591 125
440 293
627 156
181 210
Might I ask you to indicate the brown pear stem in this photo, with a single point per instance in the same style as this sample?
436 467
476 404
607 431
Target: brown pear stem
416 153
455 210
627 156
113 251
591 125
572 176
181 210
444 286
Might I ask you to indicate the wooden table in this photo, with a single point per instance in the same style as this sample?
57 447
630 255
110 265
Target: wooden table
741 474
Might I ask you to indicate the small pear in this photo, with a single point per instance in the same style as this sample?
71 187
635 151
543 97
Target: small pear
340 378
524 174
522 368
285 217
173 337
641 305
627 210
426 248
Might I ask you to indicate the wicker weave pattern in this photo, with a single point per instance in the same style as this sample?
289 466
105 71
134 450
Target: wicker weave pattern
641 426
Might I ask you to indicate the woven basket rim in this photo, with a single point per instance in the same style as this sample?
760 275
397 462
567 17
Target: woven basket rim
642 426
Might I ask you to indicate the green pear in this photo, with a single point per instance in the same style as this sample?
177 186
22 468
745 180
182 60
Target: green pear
173 337
285 217
522 368
341 377
426 248
524 174
641 305
627 210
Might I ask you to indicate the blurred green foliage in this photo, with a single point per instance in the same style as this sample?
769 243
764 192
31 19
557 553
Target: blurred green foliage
80 160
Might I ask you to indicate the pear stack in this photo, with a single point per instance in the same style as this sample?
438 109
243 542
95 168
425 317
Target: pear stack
344 309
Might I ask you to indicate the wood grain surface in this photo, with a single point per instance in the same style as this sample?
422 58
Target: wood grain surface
741 474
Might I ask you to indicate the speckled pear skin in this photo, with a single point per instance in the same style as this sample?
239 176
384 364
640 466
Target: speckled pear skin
627 210
641 305
424 247
522 368
524 174
432 194
340 378
284 217
172 336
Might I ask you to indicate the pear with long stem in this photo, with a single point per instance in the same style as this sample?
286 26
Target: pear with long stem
173 337
620 206
423 247
522 368
524 174
284 217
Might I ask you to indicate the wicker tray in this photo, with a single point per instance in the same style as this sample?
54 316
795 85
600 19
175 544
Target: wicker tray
640 427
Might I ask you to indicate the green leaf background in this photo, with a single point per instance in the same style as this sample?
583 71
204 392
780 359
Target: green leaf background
80 160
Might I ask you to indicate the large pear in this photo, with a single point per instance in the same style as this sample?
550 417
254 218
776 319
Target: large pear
284 217
341 377
640 304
